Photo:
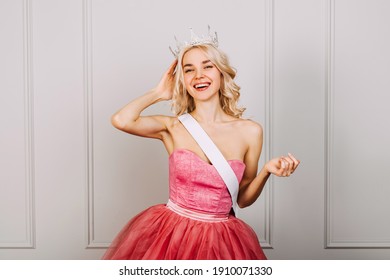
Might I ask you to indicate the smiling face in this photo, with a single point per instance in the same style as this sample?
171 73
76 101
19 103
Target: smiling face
202 79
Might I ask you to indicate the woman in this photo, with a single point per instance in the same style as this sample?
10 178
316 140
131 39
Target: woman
198 222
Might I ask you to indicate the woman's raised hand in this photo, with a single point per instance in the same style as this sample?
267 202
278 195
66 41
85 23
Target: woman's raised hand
282 166
165 87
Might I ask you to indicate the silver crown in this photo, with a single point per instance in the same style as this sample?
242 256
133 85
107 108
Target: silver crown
211 39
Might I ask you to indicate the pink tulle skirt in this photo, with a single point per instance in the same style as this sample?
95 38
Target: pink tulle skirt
158 233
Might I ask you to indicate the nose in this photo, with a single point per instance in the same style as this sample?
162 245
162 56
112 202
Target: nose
199 74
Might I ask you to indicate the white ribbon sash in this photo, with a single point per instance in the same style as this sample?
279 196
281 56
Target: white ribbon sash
214 155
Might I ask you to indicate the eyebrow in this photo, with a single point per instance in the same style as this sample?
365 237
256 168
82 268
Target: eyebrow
203 62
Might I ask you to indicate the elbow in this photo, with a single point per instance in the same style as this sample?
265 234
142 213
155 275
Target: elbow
117 122
243 204
243 200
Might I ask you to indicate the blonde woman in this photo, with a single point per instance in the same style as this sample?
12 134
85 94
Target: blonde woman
208 176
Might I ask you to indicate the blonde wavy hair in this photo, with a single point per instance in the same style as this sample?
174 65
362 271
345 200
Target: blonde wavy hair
229 92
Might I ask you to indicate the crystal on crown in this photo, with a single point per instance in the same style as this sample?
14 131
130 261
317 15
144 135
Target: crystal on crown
211 39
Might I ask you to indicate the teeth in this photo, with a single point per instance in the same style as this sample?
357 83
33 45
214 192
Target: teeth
201 85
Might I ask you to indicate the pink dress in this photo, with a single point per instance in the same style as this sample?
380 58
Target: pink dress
196 223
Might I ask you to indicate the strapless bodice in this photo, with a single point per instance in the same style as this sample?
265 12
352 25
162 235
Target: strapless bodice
195 224
196 185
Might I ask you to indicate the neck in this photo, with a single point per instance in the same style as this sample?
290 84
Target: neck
208 112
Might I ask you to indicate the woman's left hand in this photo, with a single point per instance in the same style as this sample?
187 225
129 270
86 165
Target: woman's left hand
282 166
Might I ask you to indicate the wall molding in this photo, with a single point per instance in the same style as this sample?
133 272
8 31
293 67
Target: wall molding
29 242
88 119
29 120
329 90
330 241
268 126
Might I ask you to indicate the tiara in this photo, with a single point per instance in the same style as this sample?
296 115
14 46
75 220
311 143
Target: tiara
211 39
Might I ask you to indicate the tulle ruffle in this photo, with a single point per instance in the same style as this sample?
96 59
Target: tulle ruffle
159 233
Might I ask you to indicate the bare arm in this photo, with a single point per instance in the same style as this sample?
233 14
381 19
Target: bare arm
252 185
128 118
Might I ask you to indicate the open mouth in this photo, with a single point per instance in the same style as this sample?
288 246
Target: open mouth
201 86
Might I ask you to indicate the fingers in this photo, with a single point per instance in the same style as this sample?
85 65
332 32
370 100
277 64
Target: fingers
288 164
166 84
170 73
296 162
285 169
172 68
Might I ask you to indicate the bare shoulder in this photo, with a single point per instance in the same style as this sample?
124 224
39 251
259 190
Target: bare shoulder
251 133
249 128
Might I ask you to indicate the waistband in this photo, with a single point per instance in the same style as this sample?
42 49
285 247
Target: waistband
196 215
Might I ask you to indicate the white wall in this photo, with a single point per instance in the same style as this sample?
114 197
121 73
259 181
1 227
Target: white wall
314 73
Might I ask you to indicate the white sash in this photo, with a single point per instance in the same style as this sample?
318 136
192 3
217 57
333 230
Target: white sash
214 155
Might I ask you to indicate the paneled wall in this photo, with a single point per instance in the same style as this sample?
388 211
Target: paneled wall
358 86
17 217
313 73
